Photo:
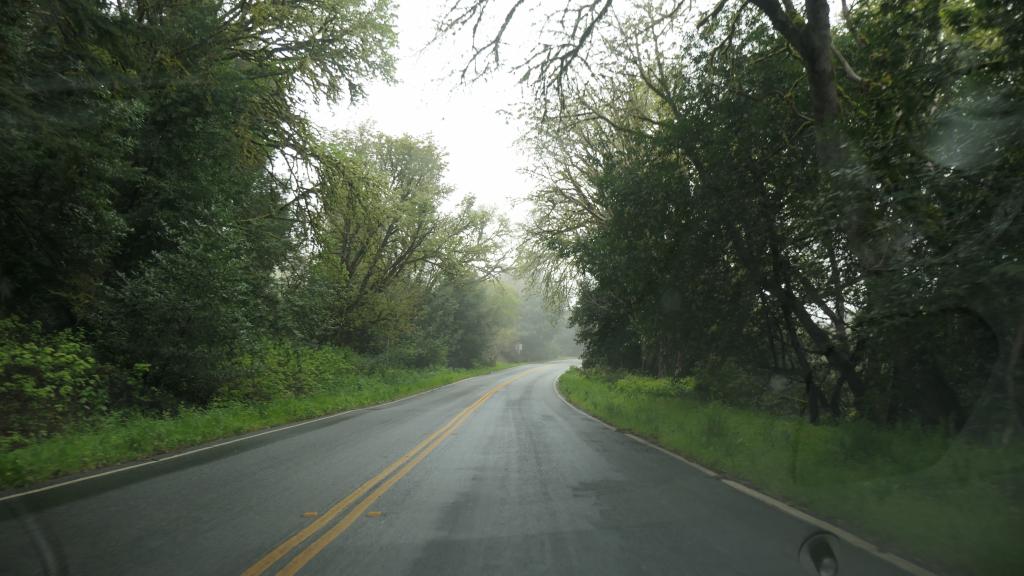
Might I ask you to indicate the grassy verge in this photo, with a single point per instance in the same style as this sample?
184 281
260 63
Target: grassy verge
908 489
126 437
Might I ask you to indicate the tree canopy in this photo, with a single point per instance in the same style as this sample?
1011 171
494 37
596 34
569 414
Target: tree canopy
169 213
830 201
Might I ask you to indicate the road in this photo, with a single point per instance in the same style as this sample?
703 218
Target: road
492 475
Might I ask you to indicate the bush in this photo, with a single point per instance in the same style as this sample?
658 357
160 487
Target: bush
187 313
634 385
725 381
281 369
415 350
47 381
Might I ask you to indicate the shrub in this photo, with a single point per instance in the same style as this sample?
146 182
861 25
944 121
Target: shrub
47 381
279 368
726 381
187 313
634 385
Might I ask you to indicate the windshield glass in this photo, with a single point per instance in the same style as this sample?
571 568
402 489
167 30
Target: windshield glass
512 286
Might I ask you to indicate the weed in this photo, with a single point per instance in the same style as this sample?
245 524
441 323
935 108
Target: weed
127 436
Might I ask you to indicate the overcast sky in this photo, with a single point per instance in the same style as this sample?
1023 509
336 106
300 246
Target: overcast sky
466 121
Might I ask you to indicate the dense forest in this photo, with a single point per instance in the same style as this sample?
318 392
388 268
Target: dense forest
785 239
819 213
174 231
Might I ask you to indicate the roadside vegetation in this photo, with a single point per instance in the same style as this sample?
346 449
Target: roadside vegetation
858 243
912 489
807 215
785 229
184 255
332 380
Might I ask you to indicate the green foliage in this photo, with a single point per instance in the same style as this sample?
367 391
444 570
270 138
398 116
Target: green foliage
143 200
701 205
912 488
179 236
541 332
187 315
724 380
633 385
282 369
383 249
166 196
482 311
47 382
125 436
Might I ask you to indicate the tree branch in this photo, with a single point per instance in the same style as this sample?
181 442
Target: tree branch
712 14
781 22
847 69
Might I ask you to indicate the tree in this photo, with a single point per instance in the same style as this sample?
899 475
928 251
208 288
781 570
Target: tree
380 236
141 165
690 169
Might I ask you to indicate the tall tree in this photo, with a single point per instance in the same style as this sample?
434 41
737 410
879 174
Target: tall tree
792 214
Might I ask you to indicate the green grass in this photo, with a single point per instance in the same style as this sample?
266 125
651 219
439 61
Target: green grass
126 437
911 490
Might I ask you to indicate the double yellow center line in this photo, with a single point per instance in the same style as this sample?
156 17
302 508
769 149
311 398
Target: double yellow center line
379 484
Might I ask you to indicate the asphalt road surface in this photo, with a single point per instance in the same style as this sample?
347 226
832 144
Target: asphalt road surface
491 475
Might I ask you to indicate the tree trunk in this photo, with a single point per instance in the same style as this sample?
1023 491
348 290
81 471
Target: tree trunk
816 49
810 389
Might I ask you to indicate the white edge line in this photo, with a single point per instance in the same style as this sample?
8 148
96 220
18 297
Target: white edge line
554 386
668 452
848 537
233 440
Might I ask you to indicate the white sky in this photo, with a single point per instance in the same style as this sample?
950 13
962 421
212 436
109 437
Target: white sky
465 120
